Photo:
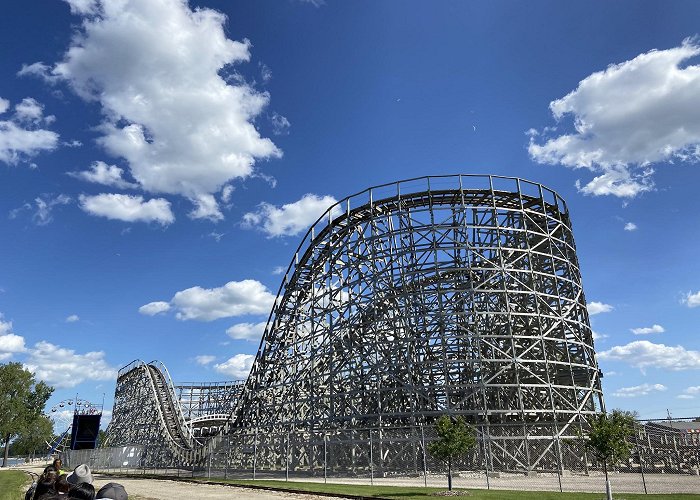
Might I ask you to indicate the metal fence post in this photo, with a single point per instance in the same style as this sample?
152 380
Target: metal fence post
325 457
425 462
211 451
641 461
227 453
286 472
486 459
560 466
371 460
255 453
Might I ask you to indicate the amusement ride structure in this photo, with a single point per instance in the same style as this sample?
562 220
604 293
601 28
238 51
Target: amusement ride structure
457 295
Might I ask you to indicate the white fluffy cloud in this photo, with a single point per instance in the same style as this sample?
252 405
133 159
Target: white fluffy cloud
647 330
159 70
128 208
690 392
638 390
9 342
247 331
598 307
631 115
599 336
107 175
290 219
237 367
692 299
235 298
61 367
22 135
630 226
204 359
73 318
643 354
153 308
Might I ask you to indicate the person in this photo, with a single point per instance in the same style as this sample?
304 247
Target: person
58 465
45 486
112 491
49 475
62 486
82 491
81 474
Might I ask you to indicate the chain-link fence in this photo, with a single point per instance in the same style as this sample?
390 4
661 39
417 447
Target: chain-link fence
665 459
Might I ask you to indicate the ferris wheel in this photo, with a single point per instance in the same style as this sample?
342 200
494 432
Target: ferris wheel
61 414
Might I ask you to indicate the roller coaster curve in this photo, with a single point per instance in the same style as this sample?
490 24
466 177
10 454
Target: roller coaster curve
446 294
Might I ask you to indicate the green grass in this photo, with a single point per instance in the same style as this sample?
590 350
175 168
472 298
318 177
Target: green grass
420 493
13 484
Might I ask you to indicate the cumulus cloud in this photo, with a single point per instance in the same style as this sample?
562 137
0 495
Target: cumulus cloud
204 359
42 208
690 392
692 299
247 331
598 307
599 336
630 115
237 367
643 354
82 6
235 298
630 226
21 135
9 342
638 390
73 318
647 330
107 175
128 208
62 368
290 219
158 70
153 308
30 111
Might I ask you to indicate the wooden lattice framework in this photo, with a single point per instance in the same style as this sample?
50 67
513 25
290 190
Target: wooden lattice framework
456 295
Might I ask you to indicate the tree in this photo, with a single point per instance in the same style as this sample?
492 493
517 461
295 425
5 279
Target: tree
22 401
609 439
34 438
455 438
101 439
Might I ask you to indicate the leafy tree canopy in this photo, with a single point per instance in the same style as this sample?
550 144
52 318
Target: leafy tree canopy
22 401
609 435
456 438
33 439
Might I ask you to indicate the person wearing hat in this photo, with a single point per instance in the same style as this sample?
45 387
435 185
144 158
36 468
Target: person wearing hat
81 474
112 491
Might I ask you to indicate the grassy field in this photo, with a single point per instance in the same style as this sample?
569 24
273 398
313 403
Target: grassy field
419 493
13 484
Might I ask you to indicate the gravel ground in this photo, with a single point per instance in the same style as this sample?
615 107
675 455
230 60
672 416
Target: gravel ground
154 489
628 483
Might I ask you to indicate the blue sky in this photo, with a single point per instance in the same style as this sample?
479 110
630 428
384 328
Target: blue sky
160 161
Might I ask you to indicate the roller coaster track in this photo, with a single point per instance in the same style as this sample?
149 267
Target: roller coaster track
448 294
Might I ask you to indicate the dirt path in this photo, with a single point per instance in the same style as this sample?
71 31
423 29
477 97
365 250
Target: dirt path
156 489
